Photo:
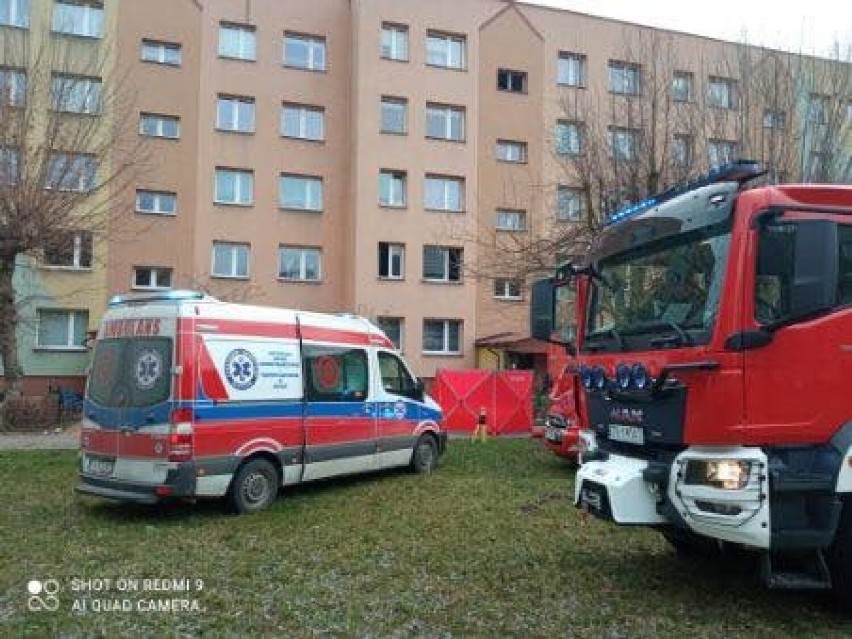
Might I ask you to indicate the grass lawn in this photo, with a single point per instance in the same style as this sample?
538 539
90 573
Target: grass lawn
487 546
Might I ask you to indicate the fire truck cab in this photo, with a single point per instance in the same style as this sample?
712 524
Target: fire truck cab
192 397
714 353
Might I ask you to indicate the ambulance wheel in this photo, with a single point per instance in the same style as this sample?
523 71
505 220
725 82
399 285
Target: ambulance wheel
424 459
840 560
254 487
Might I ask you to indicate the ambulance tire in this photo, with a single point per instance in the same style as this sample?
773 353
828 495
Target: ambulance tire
424 458
254 487
840 560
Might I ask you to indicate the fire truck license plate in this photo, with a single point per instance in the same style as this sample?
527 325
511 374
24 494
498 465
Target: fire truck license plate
99 466
628 434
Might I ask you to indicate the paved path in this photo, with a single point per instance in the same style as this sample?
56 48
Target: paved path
68 439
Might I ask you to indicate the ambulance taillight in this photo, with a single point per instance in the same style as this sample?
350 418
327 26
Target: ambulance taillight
180 439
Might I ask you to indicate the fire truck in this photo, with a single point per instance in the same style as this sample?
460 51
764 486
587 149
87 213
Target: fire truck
712 331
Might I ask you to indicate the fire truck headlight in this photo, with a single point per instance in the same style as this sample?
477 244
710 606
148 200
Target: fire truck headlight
728 474
622 376
640 376
586 377
598 377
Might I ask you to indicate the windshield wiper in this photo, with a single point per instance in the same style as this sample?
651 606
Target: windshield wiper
681 337
603 333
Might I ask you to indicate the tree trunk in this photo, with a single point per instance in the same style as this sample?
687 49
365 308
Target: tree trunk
12 371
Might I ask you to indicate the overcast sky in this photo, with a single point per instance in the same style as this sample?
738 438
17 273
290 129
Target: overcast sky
810 26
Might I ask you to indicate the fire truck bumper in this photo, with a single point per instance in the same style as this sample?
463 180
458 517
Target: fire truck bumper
615 489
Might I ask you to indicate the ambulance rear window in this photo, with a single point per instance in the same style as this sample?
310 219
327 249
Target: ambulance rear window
131 373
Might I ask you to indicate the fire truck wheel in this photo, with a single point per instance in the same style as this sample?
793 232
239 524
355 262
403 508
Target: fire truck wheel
840 560
425 455
254 487
689 545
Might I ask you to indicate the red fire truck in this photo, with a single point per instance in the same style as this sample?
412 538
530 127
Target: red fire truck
714 351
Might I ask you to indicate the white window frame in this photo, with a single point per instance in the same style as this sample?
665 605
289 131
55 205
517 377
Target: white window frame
445 115
446 254
571 69
503 289
570 204
683 149
624 143
511 220
305 116
394 42
683 80
452 46
243 191
724 150
158 198
774 119
157 52
395 250
159 120
75 94
513 151
10 165
13 85
86 20
303 252
73 316
246 42
76 238
445 335
394 103
381 323
572 132
317 53
392 177
15 13
233 249
510 76
312 192
156 273
722 93
235 106
446 182
82 168
624 78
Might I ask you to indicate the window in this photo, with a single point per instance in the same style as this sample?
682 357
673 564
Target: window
13 87
15 13
392 327
445 122
511 151
682 86
235 113
234 186
442 336
682 150
442 263
445 50
299 263
301 192
78 18
394 115
237 41
511 220
152 278
335 373
10 166
391 261
848 115
395 376
569 138
570 204
71 172
624 78
513 81
231 260
62 329
395 42
722 93
507 289
624 143
157 202
721 151
70 249
571 70
392 188
818 108
773 119
159 126
161 52
303 122
444 193
75 94
304 52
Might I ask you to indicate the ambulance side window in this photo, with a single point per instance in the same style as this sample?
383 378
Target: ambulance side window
395 376
335 374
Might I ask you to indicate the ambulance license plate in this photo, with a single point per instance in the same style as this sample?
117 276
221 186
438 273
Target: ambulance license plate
101 466
627 434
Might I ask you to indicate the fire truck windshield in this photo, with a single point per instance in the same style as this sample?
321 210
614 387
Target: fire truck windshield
662 294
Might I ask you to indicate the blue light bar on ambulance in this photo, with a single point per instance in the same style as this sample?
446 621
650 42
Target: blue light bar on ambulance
740 171
156 296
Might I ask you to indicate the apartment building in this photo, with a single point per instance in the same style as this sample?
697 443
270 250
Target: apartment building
381 156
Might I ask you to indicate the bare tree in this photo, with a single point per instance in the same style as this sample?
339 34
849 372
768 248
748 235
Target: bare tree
67 157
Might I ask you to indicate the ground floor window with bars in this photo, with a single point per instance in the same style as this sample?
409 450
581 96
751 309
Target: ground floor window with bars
442 336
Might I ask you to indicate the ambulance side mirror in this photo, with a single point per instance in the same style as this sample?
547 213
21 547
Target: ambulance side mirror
419 390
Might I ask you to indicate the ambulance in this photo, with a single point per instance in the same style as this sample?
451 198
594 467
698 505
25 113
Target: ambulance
191 397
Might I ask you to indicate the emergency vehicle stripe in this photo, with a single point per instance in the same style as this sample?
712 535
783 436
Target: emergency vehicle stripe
211 382
269 329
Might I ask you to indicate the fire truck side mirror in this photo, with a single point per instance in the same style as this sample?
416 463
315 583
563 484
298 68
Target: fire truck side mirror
543 315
